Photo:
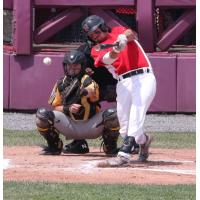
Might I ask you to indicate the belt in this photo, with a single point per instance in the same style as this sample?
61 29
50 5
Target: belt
134 72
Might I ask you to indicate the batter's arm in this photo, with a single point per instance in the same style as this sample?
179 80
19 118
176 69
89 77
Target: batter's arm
112 55
130 35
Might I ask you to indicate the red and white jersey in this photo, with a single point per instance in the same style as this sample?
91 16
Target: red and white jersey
131 58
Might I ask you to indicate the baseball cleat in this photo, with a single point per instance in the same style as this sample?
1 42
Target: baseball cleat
136 149
49 151
144 149
114 162
76 147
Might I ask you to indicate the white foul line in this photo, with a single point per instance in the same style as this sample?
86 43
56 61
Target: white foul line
177 161
175 171
6 163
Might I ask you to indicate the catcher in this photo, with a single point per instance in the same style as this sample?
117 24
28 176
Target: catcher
76 112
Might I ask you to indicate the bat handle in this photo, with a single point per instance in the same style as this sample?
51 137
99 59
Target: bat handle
116 44
99 47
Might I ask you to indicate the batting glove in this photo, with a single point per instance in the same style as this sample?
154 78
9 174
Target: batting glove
122 40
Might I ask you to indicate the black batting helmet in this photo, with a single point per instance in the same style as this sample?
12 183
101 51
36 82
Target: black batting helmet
91 23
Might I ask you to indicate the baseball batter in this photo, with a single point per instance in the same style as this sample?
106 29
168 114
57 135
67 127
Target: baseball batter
76 112
136 85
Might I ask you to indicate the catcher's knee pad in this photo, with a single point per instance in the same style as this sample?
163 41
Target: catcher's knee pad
44 120
128 145
110 119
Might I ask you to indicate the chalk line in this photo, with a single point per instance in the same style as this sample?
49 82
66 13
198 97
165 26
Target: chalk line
6 163
175 171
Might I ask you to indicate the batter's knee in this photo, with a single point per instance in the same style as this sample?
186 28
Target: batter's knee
110 119
44 120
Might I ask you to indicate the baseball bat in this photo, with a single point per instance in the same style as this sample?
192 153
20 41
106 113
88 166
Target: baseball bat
99 47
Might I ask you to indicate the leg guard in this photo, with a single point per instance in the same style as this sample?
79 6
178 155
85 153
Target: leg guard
111 132
45 126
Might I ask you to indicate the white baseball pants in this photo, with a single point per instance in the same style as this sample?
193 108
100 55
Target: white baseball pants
134 96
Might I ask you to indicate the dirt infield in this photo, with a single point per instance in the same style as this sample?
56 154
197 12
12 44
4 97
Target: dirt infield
165 166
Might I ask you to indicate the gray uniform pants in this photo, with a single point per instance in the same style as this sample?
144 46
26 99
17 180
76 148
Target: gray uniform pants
79 129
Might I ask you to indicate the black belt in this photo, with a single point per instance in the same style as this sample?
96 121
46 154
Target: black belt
135 72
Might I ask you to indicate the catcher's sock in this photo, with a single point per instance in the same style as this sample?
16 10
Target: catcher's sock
77 146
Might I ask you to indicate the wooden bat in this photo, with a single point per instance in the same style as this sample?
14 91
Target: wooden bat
100 47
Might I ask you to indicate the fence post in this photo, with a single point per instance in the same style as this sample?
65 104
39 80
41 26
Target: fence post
145 22
22 27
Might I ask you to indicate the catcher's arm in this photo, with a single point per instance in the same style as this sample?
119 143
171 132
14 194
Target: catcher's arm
90 89
55 98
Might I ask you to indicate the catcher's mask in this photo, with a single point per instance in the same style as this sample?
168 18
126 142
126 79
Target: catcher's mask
91 23
72 61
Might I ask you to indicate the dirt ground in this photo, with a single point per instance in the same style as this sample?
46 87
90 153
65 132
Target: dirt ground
165 166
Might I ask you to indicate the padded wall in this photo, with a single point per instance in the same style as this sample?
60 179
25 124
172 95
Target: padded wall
186 83
28 82
6 80
165 71
31 81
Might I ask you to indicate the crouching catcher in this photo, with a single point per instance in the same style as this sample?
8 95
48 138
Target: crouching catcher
51 123
76 112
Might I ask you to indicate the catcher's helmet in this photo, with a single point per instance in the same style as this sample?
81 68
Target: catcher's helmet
74 57
91 23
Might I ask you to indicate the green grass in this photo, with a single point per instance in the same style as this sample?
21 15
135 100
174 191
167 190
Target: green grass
161 140
54 191
174 140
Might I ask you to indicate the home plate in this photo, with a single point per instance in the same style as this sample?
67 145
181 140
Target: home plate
6 163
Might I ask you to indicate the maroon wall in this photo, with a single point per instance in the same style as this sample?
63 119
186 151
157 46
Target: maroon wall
6 79
165 71
31 81
28 82
22 27
186 83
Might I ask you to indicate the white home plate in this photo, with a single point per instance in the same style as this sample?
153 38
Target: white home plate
6 163
85 168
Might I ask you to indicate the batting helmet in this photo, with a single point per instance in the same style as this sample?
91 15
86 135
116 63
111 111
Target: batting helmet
91 23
